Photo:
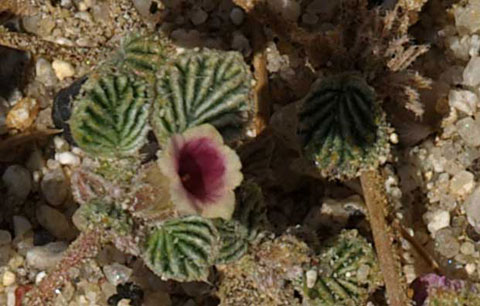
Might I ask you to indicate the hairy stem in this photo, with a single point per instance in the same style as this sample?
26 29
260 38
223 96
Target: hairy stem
376 200
86 246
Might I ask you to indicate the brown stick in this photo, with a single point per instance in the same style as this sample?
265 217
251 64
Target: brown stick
87 245
376 200
261 90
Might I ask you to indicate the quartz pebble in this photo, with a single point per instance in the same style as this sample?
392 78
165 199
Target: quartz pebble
47 256
467 18
117 273
472 209
8 278
55 187
18 181
63 69
463 100
67 158
462 183
471 74
446 243
23 114
467 248
437 220
469 130
55 222
45 73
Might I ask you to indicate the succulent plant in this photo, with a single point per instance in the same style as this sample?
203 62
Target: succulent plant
144 55
205 86
203 172
110 115
250 209
182 249
233 240
102 214
342 128
346 272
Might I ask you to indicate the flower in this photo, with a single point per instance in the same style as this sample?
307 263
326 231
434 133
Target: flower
203 172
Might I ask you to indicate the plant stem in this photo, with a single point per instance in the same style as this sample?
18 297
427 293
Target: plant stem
376 201
87 245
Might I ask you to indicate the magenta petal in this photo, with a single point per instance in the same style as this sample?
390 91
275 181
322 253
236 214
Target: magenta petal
201 168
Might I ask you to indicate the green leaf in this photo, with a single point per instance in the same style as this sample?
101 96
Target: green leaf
144 55
250 209
342 128
182 249
203 87
347 272
233 240
110 116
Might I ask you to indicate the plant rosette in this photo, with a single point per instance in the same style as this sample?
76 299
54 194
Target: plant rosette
203 172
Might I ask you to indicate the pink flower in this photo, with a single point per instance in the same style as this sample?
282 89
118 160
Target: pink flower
203 172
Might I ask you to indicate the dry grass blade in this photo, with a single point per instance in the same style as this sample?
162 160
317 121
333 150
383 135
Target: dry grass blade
376 201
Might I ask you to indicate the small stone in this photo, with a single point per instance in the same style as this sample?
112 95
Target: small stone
55 222
21 225
467 18
311 276
472 209
55 187
237 16
470 268
67 158
309 18
45 73
467 248
18 181
463 100
446 244
437 220
47 256
23 114
5 237
198 17
462 183
471 74
469 130
8 278
289 9
63 69
117 274
241 43
124 302
39 277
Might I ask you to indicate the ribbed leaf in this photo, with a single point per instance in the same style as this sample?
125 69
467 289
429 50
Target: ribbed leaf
144 55
342 127
233 240
347 272
110 118
182 249
250 210
203 87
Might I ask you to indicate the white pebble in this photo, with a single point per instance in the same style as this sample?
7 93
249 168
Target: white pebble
117 273
470 268
237 16
463 100
47 256
9 278
40 276
462 183
437 220
311 278
63 69
469 130
60 143
471 74
67 158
